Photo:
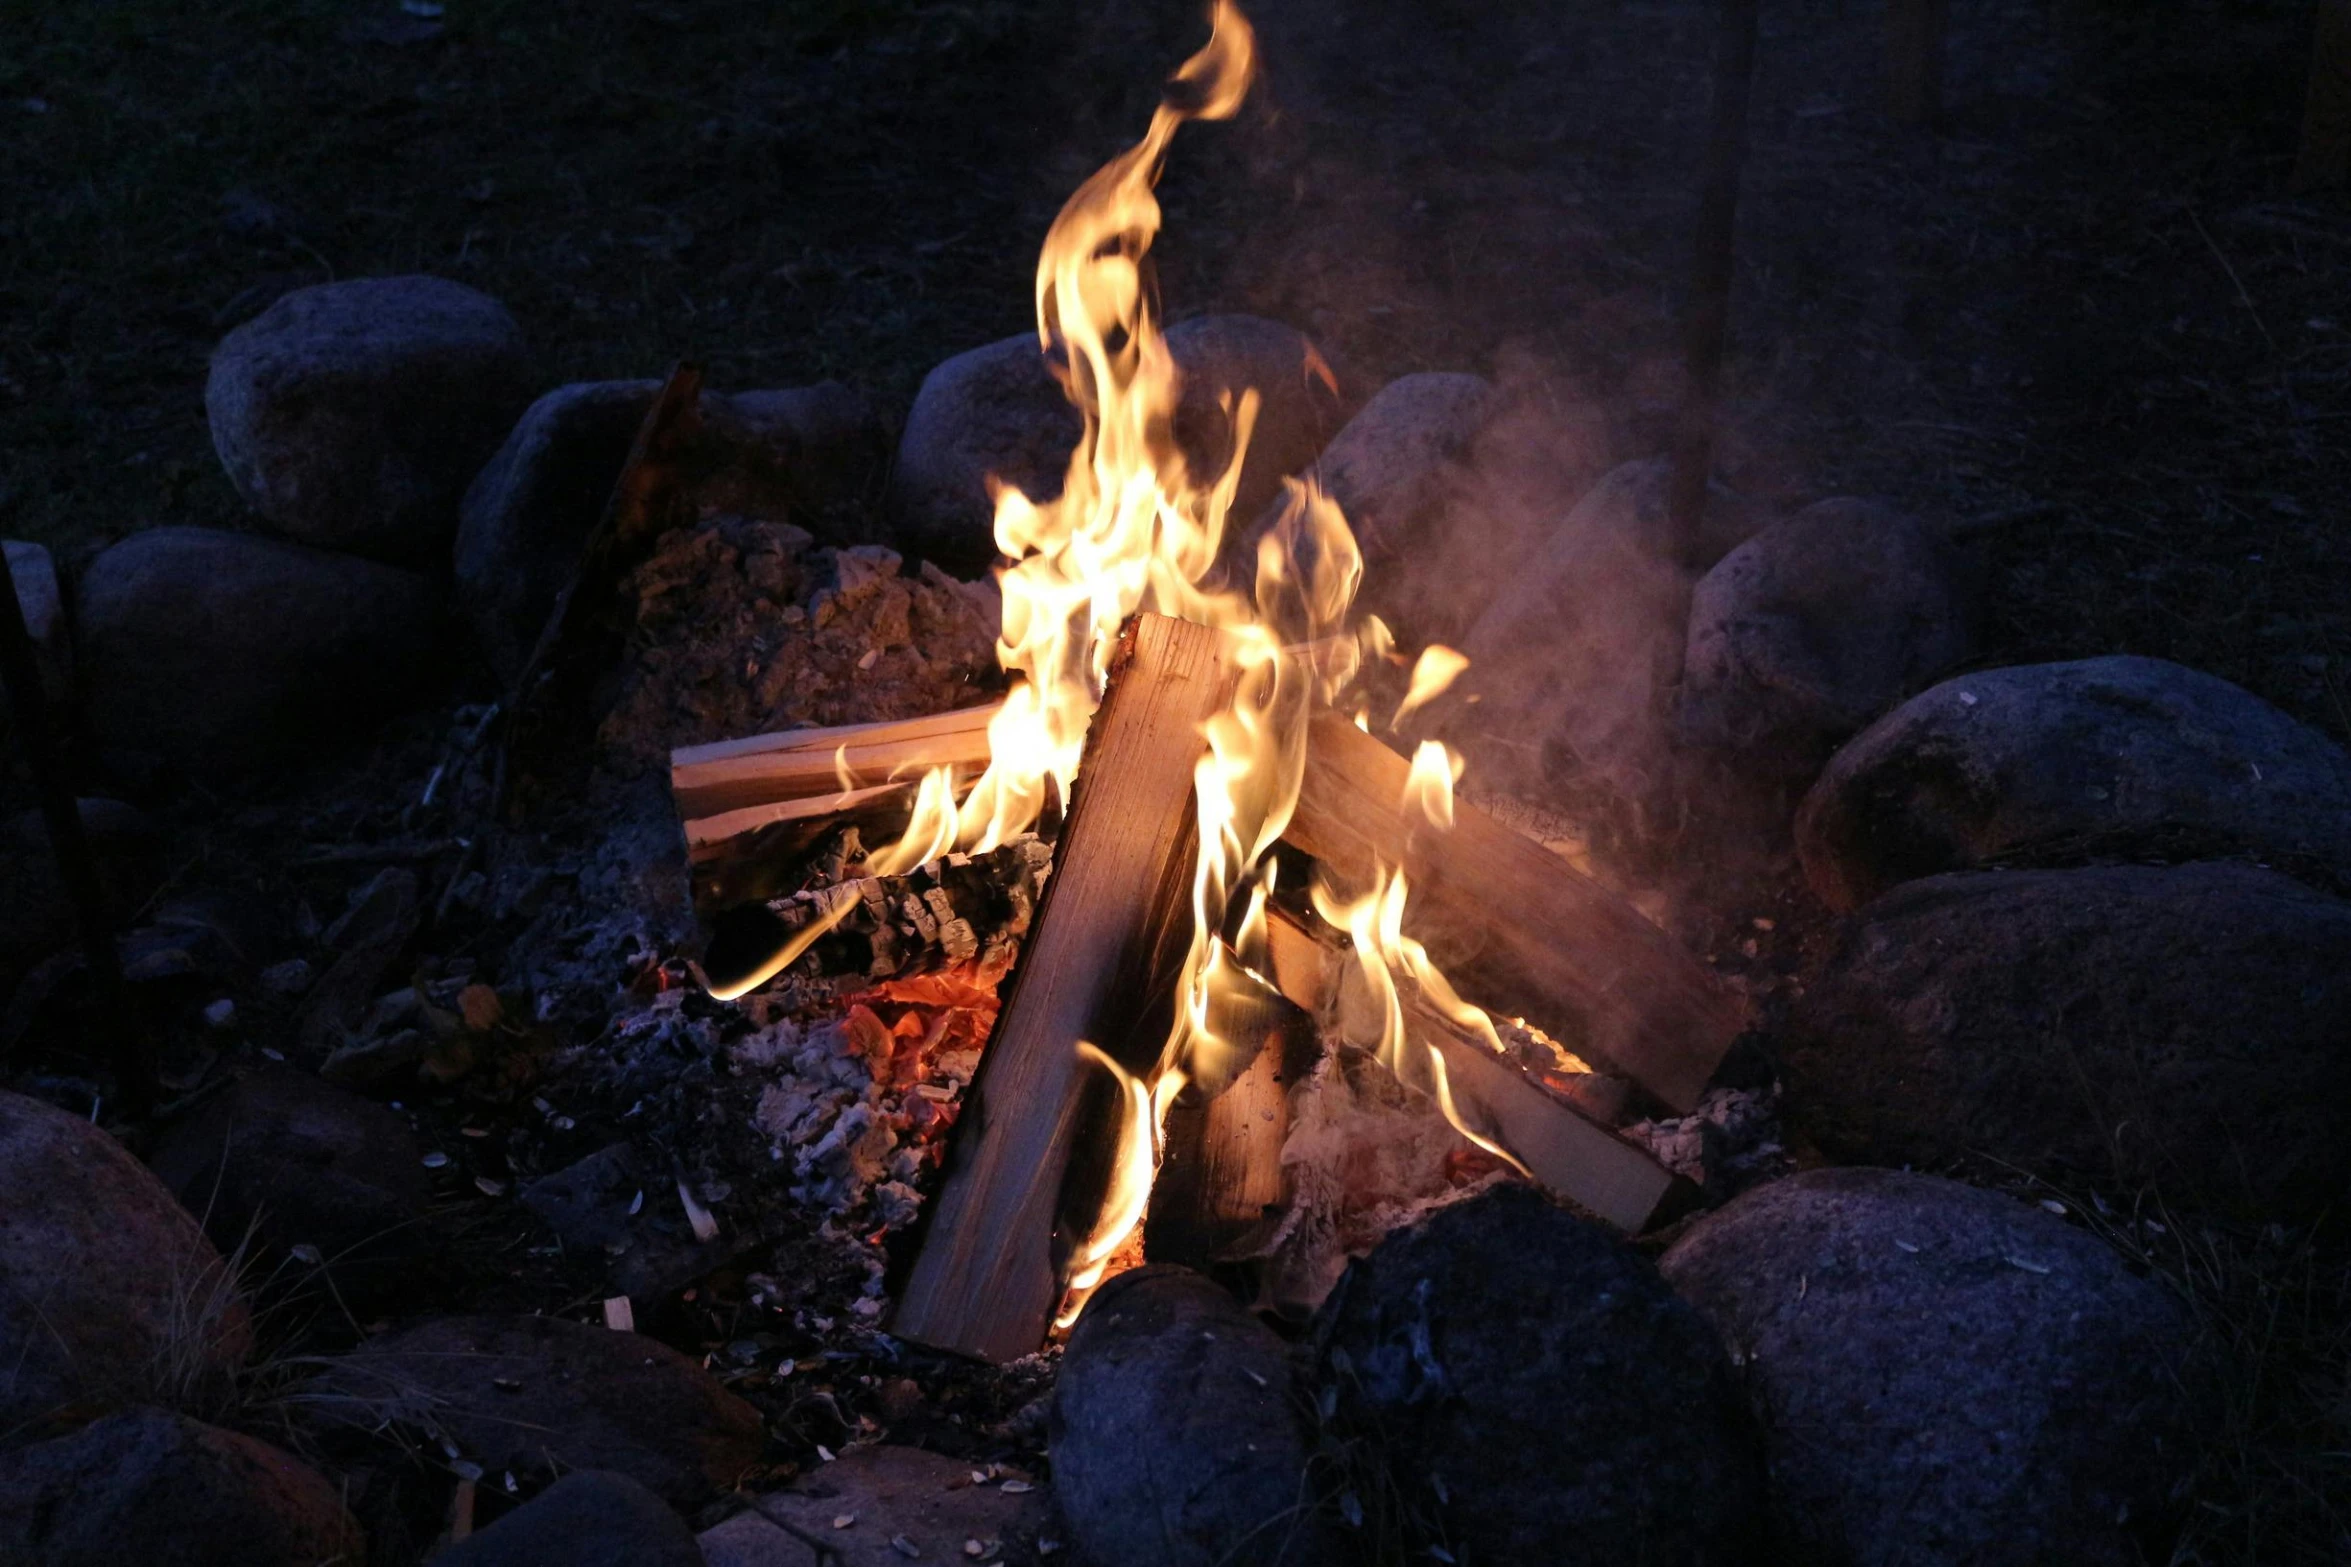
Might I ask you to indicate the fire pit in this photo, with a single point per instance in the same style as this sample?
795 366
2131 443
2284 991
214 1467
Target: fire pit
1141 1052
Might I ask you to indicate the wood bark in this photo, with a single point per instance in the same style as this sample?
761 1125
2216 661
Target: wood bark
987 1273
1514 927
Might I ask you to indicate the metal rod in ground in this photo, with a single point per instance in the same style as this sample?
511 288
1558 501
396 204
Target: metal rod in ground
1710 277
77 867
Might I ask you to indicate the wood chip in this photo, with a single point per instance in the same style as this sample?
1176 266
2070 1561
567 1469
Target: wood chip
905 1547
619 1315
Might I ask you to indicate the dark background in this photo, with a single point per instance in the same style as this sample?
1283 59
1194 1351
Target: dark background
2086 291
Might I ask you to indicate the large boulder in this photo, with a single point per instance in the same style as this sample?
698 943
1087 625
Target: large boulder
36 916
109 1292
808 453
541 1395
1818 624
994 412
1577 649
214 652
1174 1437
1389 467
306 1171
590 1518
1535 1382
350 415
164 1491
999 412
42 603
863 1505
1947 1377
1298 404
529 509
2118 757
2183 1026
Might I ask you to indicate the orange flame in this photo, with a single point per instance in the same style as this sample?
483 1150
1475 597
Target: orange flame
1134 528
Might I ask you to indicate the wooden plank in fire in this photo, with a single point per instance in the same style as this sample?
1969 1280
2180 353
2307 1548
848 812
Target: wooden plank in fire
1569 1154
987 1274
1516 928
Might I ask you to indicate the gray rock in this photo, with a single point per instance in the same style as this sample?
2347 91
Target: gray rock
216 653
2180 1026
36 917
1298 407
529 510
109 1293
1392 467
1577 649
999 411
1537 1385
43 604
809 453
351 415
889 1493
163 1491
1945 1375
295 1163
540 1395
2051 763
992 412
1818 624
1173 1437
587 1519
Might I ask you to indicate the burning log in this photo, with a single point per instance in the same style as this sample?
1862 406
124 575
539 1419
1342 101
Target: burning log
798 764
1098 967
1569 1154
1221 1179
1515 927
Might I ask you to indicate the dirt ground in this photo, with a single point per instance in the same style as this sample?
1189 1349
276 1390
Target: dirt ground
2084 303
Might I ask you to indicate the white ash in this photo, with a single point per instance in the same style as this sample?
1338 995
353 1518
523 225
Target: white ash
1729 1143
1366 1154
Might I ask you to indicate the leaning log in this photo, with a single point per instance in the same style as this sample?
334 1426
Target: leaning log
1568 1153
1097 967
1514 927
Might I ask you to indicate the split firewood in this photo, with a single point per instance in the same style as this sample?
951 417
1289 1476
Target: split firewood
1221 1181
796 764
1099 966
1515 927
1569 1154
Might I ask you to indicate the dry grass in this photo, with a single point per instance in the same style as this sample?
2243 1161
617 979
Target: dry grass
2274 1303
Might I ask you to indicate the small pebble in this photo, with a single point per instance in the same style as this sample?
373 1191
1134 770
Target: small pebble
435 1160
221 1013
904 1547
844 1520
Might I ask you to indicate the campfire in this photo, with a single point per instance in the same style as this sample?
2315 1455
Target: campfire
1161 952
1239 872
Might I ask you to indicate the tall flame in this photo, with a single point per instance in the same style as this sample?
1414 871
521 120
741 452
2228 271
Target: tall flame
1133 529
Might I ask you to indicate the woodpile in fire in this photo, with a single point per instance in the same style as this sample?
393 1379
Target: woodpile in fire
841 1055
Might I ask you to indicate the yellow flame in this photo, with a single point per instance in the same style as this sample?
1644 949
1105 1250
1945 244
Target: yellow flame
1134 528
1437 668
